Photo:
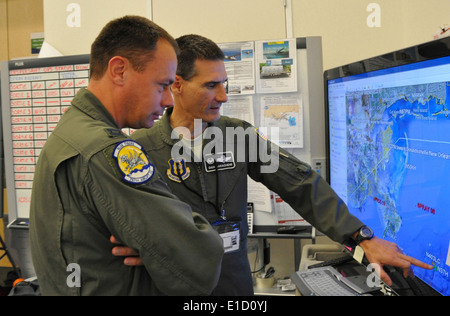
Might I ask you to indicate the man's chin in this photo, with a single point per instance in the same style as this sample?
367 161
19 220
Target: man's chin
149 125
214 118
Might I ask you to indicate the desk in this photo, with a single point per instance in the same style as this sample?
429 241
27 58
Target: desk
269 232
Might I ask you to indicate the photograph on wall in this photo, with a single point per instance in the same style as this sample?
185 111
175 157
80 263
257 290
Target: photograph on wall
240 67
276 63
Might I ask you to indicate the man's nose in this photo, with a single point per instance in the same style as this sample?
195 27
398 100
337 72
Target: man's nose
222 96
167 99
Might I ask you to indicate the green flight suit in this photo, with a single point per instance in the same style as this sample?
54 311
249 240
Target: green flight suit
81 197
293 180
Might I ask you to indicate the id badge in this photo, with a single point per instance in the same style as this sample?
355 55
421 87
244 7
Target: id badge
229 231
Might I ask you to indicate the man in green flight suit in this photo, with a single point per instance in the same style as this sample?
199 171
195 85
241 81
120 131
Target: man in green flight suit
208 168
92 181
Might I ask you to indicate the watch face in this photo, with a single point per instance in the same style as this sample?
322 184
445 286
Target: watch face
366 232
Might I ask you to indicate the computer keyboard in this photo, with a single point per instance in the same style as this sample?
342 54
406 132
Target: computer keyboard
324 281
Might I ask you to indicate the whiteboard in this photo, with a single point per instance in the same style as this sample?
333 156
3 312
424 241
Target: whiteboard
35 94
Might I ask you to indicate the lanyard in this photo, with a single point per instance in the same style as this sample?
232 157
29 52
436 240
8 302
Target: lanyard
219 207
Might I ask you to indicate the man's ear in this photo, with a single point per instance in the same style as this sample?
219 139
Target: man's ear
117 69
177 86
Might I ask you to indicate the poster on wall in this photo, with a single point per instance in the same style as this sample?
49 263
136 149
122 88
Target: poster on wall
240 107
285 113
240 67
276 66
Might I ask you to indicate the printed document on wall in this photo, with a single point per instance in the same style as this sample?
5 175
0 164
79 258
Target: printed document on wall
259 195
239 107
284 213
240 67
276 64
283 113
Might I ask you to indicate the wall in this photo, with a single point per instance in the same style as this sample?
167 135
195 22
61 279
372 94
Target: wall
18 19
3 30
222 21
346 33
71 26
347 36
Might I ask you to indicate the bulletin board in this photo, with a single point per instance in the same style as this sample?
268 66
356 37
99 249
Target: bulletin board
35 93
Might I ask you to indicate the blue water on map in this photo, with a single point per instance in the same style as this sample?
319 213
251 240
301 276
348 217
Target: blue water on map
399 172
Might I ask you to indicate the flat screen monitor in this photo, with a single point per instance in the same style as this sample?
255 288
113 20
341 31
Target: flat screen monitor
388 143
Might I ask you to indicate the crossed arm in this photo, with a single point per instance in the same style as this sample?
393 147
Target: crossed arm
377 251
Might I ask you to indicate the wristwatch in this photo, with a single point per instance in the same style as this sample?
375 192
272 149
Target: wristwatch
365 233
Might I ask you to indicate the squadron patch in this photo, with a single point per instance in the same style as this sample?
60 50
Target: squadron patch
133 162
178 171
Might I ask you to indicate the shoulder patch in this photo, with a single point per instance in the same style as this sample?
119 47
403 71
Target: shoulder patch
133 162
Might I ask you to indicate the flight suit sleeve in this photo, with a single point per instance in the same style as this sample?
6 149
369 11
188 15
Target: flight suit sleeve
180 250
305 191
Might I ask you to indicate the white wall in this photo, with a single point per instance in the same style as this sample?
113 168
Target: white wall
71 26
346 35
222 20
342 24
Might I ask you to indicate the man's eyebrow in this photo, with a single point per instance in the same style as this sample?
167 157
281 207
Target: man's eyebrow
216 82
167 82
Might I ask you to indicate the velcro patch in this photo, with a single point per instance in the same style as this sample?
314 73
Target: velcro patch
132 162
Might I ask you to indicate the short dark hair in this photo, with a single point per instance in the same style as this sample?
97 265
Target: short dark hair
132 37
194 47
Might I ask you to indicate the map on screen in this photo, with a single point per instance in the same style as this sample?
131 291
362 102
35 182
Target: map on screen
394 139
399 162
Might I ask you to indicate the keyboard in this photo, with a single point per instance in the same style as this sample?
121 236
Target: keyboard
324 281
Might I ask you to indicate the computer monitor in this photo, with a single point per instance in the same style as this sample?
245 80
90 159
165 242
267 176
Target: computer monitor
388 143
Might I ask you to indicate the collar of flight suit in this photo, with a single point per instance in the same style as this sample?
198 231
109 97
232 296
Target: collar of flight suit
87 102
165 129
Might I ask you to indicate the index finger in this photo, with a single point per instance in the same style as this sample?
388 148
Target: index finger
416 262
113 240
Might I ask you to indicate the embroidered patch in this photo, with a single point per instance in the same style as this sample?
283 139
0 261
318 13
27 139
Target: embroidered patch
219 161
178 170
133 162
